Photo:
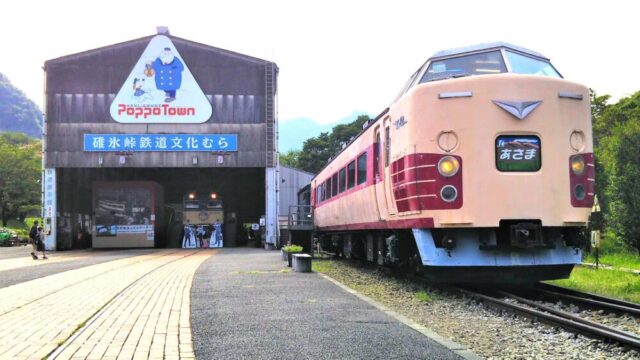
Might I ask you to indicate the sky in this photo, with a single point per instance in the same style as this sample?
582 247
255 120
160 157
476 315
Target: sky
335 57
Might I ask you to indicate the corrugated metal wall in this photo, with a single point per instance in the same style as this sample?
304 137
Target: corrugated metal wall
291 181
81 87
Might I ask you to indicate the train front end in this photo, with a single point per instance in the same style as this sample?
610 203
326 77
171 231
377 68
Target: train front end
507 170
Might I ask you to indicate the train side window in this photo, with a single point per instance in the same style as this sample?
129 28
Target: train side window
376 156
343 180
327 188
334 184
362 168
387 146
351 174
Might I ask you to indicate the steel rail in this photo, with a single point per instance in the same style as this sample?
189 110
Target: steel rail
557 318
566 291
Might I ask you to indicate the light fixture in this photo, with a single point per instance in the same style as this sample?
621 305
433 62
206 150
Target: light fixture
100 160
194 161
214 196
192 196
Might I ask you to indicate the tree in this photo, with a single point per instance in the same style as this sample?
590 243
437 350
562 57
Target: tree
317 151
20 164
290 159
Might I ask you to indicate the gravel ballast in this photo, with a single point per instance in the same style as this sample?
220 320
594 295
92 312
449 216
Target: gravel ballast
485 332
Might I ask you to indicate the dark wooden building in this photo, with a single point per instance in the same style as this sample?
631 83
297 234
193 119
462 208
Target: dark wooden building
80 126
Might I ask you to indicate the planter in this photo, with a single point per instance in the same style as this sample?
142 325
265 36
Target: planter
290 257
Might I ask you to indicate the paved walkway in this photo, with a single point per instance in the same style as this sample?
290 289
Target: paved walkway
176 304
135 307
246 304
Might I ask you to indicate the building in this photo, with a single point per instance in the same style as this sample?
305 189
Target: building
134 130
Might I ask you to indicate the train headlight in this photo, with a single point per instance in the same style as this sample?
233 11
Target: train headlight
448 166
577 165
192 196
214 196
448 193
579 192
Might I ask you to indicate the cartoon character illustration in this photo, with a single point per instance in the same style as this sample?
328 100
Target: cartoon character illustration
140 93
168 73
148 69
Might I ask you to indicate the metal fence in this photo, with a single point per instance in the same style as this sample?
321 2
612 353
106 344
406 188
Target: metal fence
300 216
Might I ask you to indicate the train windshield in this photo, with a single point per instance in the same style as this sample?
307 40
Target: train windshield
521 64
475 64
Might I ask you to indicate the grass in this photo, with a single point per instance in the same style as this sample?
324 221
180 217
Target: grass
625 260
612 283
423 296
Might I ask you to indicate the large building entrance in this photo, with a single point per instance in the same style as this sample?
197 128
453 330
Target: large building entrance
157 137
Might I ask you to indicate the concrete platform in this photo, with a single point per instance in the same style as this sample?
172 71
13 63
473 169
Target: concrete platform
246 304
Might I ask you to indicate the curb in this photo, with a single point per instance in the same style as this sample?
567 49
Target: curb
458 349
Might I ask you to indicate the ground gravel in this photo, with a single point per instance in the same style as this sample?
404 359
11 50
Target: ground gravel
486 332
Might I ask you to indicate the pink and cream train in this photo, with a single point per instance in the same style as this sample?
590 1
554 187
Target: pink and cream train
481 170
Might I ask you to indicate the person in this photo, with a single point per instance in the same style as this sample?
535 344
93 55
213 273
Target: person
216 236
39 240
32 239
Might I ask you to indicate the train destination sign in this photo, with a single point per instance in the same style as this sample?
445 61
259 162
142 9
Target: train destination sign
160 142
160 89
518 153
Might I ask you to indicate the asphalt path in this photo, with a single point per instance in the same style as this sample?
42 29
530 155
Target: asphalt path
244 306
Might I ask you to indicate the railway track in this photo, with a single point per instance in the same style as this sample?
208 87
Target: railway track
526 302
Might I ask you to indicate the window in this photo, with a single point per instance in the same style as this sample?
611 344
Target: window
327 189
387 146
343 180
351 174
474 64
362 168
521 64
334 185
376 156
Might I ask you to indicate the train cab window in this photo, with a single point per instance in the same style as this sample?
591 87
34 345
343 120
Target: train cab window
387 146
192 204
351 175
334 184
343 180
474 64
376 156
521 64
362 168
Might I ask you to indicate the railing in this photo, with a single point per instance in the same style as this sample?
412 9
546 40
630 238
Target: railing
300 216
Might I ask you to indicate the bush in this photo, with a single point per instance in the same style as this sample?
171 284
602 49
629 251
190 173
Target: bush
292 249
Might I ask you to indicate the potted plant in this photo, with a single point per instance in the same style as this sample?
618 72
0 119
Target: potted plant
290 250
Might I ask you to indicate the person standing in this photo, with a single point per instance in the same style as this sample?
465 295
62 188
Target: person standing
40 243
32 239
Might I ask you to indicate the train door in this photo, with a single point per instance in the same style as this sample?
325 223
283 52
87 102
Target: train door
391 206
378 183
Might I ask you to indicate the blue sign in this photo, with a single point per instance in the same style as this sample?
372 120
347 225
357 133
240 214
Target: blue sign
160 142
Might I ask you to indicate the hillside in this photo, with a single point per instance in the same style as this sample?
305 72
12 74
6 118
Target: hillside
292 133
17 112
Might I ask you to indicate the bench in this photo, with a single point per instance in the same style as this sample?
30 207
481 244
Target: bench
302 262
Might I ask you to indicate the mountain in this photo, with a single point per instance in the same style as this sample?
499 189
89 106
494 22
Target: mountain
17 112
292 133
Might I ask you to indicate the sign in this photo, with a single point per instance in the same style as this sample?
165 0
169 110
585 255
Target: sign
160 142
255 226
518 153
49 193
160 89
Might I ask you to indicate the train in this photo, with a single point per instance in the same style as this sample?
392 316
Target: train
480 170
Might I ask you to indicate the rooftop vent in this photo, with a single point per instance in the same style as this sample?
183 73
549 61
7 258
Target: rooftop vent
162 30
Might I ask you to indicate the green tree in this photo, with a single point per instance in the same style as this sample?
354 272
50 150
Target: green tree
616 132
317 151
290 159
20 164
17 112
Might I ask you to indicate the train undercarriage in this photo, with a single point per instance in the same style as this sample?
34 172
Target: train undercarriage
516 252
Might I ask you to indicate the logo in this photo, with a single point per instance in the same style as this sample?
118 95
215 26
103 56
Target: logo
160 89
519 109
400 122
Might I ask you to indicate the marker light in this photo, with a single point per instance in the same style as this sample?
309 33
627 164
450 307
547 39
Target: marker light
213 195
192 196
449 193
448 166
577 165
